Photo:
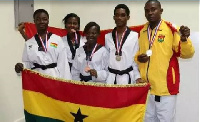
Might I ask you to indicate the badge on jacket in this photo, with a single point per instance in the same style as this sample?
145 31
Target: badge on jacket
161 38
54 45
30 46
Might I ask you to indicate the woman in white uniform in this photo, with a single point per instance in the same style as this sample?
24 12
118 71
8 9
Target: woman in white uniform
91 60
73 39
45 52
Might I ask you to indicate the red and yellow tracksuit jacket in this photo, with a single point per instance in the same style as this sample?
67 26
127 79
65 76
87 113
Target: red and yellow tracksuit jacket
162 70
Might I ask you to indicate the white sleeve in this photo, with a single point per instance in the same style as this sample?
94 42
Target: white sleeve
69 54
106 41
136 72
103 74
74 70
62 62
25 59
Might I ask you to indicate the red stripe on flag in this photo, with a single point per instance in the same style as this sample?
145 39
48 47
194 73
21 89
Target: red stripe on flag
30 30
108 97
137 28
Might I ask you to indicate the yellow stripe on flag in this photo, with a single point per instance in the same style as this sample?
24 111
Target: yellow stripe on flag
38 104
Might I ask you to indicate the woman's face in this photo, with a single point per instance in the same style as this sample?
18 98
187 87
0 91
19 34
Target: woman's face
72 24
92 34
41 21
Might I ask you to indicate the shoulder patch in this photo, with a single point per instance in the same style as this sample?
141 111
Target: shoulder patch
53 44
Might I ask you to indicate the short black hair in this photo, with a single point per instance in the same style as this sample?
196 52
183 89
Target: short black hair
89 25
156 1
40 11
124 7
71 15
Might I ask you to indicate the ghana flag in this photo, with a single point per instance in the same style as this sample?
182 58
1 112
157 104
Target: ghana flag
48 99
30 31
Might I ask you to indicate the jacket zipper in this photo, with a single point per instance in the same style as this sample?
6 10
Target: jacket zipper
148 67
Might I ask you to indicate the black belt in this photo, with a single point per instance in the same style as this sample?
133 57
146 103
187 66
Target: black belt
157 98
121 72
85 78
44 67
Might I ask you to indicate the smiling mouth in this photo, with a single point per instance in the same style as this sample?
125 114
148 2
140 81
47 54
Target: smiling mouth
91 39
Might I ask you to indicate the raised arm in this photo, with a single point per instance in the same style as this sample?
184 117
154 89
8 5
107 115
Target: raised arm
21 29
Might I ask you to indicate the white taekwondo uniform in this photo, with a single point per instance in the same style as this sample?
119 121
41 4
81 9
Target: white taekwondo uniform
125 68
71 49
56 53
99 62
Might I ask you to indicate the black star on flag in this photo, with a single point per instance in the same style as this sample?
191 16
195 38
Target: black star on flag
78 116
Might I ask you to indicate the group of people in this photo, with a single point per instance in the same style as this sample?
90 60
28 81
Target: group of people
128 57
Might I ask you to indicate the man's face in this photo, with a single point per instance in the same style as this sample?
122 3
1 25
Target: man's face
120 17
41 21
153 11
72 24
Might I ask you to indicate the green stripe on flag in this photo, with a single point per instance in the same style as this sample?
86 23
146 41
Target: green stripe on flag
34 118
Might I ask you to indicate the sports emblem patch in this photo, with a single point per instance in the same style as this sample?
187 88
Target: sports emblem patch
53 45
161 38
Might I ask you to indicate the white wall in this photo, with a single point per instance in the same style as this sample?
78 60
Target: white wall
102 12
188 99
11 105
10 52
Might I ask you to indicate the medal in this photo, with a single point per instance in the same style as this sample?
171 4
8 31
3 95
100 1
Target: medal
151 41
118 58
87 68
149 52
119 45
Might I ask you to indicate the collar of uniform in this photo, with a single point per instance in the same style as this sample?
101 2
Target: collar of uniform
147 24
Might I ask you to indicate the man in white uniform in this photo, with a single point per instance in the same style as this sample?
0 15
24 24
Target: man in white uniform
91 60
122 44
45 52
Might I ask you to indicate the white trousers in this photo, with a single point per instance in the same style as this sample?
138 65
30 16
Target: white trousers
163 111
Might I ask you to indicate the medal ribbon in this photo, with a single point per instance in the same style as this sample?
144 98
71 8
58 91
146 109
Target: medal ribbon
154 36
76 38
119 44
46 41
93 51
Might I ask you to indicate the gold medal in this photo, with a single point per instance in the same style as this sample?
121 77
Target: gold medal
118 58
